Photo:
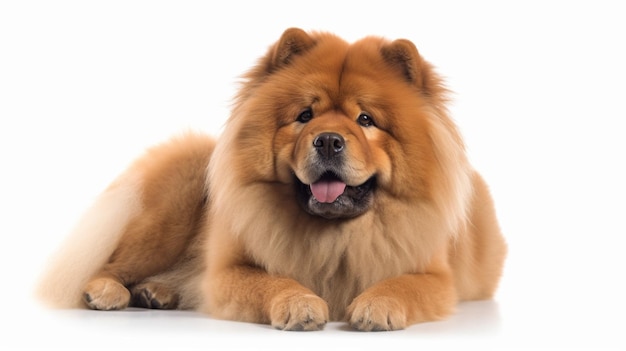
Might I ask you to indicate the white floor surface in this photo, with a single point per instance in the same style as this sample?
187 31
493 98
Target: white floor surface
539 96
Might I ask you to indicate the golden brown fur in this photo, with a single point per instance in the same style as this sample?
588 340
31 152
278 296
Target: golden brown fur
339 190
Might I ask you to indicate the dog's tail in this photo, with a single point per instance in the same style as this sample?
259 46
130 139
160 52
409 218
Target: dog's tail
90 244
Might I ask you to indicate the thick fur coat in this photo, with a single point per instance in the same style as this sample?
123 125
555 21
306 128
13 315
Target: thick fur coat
339 190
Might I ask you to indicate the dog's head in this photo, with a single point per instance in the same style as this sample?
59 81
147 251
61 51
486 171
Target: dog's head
338 127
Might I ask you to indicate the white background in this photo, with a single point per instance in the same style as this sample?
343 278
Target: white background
539 95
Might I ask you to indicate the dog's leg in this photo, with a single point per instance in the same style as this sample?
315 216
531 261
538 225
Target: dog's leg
404 300
477 254
250 294
145 249
177 288
237 290
174 202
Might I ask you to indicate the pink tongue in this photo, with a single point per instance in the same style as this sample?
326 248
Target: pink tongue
327 190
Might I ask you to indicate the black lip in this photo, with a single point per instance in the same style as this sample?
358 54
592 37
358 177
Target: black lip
329 175
354 201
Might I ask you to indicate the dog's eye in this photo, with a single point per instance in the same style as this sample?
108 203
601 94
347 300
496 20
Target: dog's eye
305 116
365 120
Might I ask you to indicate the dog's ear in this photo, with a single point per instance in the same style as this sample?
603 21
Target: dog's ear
293 42
404 56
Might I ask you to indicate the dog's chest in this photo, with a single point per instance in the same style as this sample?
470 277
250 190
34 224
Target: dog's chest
339 265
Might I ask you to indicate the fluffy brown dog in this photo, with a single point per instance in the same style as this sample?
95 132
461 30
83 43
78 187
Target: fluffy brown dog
340 189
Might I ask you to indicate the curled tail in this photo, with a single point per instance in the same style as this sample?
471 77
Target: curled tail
159 198
90 244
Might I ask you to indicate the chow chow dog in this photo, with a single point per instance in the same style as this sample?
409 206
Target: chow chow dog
339 190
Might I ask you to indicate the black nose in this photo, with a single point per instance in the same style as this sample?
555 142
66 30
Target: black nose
329 144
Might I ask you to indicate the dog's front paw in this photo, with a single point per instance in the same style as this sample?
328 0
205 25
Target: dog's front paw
106 294
299 312
376 313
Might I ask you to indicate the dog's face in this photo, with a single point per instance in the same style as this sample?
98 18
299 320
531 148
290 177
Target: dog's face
340 124
333 162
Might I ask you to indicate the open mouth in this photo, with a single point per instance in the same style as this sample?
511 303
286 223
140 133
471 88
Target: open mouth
328 188
331 197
